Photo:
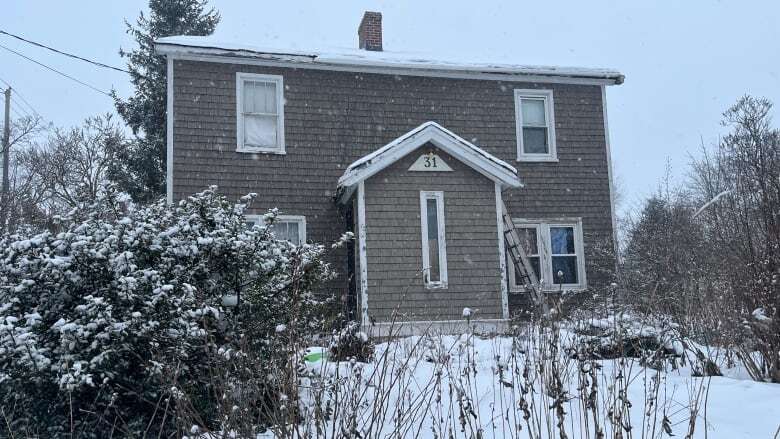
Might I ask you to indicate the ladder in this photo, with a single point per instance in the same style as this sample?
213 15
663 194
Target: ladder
525 273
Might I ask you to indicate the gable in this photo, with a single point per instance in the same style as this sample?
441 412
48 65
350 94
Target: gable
393 215
430 132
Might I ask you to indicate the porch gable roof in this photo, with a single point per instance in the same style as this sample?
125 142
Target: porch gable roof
480 160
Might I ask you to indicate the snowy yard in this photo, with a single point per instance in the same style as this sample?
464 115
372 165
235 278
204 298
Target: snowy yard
469 386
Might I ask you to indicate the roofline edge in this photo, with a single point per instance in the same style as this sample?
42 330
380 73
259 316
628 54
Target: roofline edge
232 56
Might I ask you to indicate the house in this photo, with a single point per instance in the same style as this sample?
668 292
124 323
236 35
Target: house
416 156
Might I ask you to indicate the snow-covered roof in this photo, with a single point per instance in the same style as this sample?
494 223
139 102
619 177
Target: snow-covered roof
360 60
460 148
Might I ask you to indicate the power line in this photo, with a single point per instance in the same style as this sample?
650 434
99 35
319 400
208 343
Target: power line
18 116
15 103
97 63
21 108
57 71
19 94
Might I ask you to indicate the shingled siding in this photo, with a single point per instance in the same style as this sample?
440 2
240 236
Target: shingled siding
394 242
333 118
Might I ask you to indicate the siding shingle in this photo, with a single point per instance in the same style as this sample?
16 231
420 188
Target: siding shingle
334 118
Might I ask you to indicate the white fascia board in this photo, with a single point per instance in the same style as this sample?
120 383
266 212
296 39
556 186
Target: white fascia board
432 127
308 62
611 176
491 167
169 131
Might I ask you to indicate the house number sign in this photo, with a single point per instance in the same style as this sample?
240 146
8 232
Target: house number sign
429 163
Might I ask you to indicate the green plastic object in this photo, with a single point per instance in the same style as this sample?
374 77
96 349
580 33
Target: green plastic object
315 357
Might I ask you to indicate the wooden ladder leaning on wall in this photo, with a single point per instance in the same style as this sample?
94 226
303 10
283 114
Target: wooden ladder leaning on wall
525 273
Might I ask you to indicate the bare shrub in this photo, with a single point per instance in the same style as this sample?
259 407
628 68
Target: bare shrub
540 381
709 255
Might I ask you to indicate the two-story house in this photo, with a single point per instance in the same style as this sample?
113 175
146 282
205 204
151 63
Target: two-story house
416 156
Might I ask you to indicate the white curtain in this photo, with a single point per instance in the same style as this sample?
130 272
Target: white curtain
259 130
533 112
260 114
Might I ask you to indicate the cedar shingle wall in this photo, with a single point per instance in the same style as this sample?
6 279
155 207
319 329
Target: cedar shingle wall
394 242
333 118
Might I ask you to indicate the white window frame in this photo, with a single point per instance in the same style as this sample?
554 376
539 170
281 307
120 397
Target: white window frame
300 219
242 77
545 260
439 197
549 111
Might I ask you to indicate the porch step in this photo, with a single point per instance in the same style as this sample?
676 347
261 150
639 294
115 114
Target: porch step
520 260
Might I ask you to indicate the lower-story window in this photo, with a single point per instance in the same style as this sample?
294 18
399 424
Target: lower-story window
286 227
555 251
434 247
529 239
563 255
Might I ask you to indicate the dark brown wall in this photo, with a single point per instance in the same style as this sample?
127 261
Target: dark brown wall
334 118
394 242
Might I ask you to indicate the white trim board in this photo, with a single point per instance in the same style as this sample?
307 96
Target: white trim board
610 174
461 149
361 215
505 77
502 253
382 62
169 131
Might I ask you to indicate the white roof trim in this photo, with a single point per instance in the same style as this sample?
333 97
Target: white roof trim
384 61
486 164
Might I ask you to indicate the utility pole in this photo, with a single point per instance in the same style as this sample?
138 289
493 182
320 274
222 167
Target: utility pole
6 150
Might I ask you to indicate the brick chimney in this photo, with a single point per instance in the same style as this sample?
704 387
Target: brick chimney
370 31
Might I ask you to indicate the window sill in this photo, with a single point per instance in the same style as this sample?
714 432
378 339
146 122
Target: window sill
436 286
261 151
537 159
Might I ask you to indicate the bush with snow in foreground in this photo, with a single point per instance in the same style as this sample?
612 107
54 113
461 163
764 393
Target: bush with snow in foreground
107 323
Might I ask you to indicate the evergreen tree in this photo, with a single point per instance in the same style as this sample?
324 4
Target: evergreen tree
140 169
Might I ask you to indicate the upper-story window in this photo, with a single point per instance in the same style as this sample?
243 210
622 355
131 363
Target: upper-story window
260 113
535 125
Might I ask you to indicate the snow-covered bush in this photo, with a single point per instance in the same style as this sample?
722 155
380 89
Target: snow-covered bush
350 342
628 336
107 323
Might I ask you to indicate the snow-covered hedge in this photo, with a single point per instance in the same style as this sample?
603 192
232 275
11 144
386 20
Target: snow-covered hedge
97 319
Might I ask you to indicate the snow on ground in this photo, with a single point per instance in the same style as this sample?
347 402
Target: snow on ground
467 386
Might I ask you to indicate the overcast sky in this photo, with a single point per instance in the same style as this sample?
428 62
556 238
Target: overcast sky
685 61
